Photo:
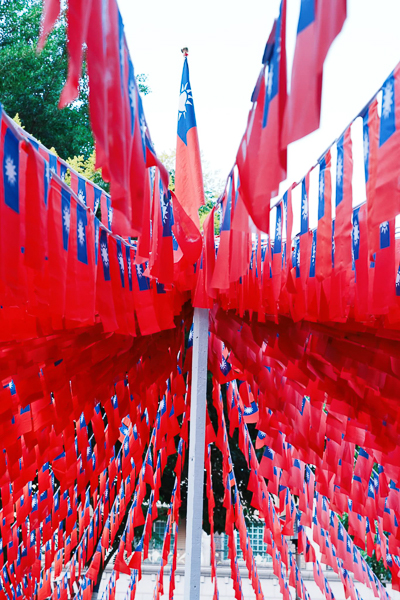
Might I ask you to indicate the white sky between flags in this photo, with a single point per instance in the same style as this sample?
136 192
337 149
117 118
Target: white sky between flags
226 40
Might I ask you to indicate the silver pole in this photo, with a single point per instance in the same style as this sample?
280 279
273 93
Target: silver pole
194 514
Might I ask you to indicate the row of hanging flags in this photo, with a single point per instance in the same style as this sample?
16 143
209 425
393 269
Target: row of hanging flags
94 314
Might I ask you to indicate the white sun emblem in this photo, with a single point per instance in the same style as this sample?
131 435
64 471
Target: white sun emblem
122 53
47 170
81 232
313 253
184 98
223 364
366 146
321 185
104 254
339 170
121 262
81 196
66 218
164 209
304 207
110 214
132 94
356 233
128 261
398 279
139 271
270 80
11 171
143 126
298 256
278 229
387 100
384 227
248 410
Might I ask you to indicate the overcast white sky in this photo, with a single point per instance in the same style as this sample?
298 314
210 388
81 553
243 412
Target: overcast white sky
226 39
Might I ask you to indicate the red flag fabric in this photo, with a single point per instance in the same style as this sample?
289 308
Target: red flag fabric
261 160
304 102
386 204
78 22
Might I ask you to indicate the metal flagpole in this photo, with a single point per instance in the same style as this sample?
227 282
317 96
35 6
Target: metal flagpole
194 514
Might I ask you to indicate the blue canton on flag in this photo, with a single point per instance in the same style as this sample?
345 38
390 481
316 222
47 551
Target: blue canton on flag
121 263
11 170
81 223
186 114
81 190
66 216
388 120
104 255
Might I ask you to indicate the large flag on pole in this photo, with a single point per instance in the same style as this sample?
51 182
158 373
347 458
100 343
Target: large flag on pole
188 174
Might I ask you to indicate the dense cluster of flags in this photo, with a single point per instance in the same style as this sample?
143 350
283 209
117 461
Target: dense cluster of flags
97 297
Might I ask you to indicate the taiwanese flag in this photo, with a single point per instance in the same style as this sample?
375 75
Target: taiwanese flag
188 173
261 162
144 307
323 261
240 247
186 233
320 21
80 290
37 186
304 103
58 237
267 464
12 164
306 238
370 145
121 287
360 259
384 282
250 414
277 258
162 256
387 193
220 278
104 289
343 228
